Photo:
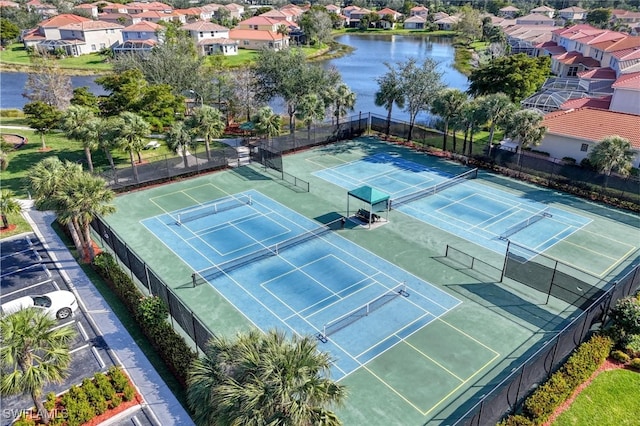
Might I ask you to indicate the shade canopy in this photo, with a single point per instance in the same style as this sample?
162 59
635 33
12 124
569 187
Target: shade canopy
369 195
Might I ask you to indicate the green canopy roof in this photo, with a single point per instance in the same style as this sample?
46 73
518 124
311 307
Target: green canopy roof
369 194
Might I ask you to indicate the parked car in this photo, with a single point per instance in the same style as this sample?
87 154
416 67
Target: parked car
60 304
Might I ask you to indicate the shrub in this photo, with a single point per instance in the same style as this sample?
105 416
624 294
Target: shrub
129 393
626 315
50 402
118 379
632 346
620 356
635 364
569 160
104 386
11 113
173 349
516 420
544 400
23 420
116 401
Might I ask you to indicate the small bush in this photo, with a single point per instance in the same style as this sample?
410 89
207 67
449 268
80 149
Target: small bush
11 113
152 311
517 420
620 356
569 160
544 400
118 379
635 364
50 402
626 315
104 385
129 393
116 401
23 420
632 345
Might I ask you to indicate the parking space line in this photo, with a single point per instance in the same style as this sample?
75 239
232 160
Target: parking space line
98 357
83 332
27 288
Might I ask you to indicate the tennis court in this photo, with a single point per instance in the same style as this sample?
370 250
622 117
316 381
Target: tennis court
285 271
465 207
416 338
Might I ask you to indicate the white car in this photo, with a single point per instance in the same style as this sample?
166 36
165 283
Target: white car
60 304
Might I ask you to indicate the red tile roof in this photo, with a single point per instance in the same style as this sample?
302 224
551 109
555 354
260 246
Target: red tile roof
628 81
576 58
143 26
204 26
594 124
600 103
259 20
598 74
60 20
90 26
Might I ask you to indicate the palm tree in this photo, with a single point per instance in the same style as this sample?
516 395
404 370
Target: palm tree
208 123
130 133
47 176
343 100
310 109
496 107
76 125
8 205
612 153
259 379
447 104
78 201
267 122
525 126
390 93
34 352
179 139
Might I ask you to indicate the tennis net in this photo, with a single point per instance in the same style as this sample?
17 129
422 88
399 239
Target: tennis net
432 190
361 312
216 271
525 223
209 209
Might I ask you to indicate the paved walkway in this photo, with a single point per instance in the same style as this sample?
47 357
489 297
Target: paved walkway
158 398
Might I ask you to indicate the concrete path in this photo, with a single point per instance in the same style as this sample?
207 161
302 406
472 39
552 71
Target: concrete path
158 398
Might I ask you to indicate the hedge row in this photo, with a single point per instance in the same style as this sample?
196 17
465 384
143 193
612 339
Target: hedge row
581 365
151 314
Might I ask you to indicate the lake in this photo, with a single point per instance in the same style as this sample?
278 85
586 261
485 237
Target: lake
359 69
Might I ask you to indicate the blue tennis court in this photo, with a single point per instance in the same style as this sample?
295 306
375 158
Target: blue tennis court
283 270
469 209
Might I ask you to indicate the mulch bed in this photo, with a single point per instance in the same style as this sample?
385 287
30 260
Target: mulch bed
8 228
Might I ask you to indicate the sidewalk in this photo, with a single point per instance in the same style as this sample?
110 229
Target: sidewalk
157 397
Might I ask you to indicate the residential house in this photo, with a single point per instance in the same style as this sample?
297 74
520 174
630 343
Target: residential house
419 11
135 7
235 10
332 8
573 13
626 95
356 15
140 38
547 11
259 23
88 9
527 38
574 133
415 23
447 24
348 10
41 9
535 19
211 38
295 11
8 3
156 16
89 37
193 14
440 15
259 39
384 14
278 15
49 29
626 17
123 19
509 12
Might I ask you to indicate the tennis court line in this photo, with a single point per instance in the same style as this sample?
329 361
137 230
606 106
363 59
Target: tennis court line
392 389
324 167
152 199
259 242
434 361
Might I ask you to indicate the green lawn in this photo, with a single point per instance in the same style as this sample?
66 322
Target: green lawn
21 226
23 158
610 400
16 54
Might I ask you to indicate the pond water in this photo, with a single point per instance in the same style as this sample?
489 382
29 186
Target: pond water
359 69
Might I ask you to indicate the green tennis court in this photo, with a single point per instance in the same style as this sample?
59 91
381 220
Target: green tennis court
431 373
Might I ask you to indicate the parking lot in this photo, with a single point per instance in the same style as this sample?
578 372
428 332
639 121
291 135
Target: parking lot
27 270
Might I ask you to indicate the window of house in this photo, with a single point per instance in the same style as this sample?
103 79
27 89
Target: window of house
93 47
102 46
139 35
245 43
584 147
201 34
213 34
573 71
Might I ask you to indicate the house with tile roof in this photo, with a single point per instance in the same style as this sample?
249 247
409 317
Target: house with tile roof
448 23
419 11
415 23
140 38
547 11
509 12
258 39
42 9
573 13
535 19
235 10
626 95
574 133
211 39
116 18
81 38
356 15
193 14
159 16
88 8
259 23
279 15
49 29
8 3
620 16
386 13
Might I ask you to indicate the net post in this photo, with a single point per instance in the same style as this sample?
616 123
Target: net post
215 208
324 331
179 221
506 259
193 279
250 200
